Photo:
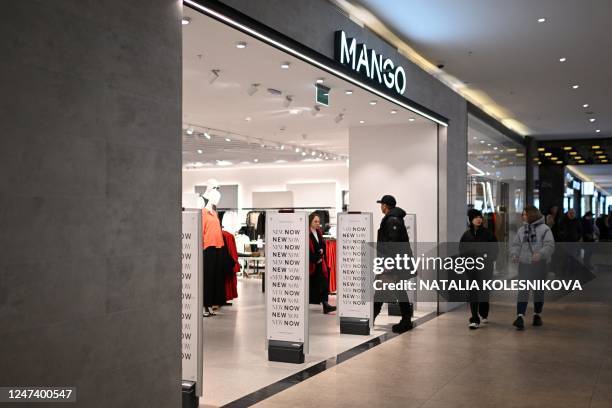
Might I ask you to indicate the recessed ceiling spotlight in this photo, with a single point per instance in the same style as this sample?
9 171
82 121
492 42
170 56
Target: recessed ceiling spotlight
547 154
285 65
475 138
186 20
576 86
248 118
567 148
313 153
207 135
227 139
542 20
598 131
393 112
189 131
303 153
294 111
255 160
596 147
282 147
411 119
482 141
562 59
348 92
586 105
601 157
489 144
541 149
362 121
200 151
592 120
297 149
573 153
241 45
320 80
372 103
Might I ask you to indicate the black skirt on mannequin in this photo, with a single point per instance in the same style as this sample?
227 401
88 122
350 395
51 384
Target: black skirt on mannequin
214 277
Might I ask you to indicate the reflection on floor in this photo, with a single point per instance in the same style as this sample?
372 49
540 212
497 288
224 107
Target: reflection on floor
235 357
441 364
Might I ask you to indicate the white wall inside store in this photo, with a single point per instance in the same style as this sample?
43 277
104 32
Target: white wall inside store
313 185
401 161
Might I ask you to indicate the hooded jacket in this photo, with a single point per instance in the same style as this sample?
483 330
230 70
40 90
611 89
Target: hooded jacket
392 227
531 239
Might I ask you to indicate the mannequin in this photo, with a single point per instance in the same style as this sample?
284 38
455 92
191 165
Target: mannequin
212 242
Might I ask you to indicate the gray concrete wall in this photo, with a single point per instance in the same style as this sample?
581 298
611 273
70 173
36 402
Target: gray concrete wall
90 180
313 23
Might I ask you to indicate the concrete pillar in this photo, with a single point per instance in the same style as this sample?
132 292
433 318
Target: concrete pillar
90 165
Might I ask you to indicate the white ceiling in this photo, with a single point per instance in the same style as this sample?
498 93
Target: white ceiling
498 47
224 105
601 174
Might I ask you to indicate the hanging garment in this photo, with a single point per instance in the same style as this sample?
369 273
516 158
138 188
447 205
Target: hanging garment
214 277
211 229
330 257
231 222
231 281
261 225
243 244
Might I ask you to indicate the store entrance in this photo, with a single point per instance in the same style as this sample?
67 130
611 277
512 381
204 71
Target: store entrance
255 140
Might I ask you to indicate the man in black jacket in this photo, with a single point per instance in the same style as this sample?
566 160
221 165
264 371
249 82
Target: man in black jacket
392 229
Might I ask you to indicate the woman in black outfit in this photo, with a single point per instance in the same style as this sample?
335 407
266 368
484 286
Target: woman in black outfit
319 273
478 241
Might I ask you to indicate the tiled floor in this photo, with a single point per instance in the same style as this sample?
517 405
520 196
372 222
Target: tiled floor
442 364
235 357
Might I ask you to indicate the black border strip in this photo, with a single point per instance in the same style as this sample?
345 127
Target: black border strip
281 385
495 124
255 25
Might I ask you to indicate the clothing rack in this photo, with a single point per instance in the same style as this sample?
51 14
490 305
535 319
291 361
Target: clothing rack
274 208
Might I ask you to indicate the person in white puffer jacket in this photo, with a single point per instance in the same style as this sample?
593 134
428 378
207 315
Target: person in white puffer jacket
531 248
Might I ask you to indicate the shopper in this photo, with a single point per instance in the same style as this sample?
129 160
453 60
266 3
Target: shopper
318 271
476 242
604 227
552 220
393 230
570 231
590 234
532 247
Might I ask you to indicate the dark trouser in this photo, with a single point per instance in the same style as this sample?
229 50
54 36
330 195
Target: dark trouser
479 299
319 287
399 296
533 271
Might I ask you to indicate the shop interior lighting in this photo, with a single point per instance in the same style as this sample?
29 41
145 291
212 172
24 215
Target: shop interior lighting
308 59
186 20
248 118
599 152
227 139
586 105
320 80
541 149
256 160
596 147
578 157
303 153
224 163
362 121
297 149
253 89
592 120
542 20
573 153
207 135
413 119
559 162
294 111
604 161
282 147
554 158
348 92
581 161
393 111
189 131
313 153
520 154
200 151
598 131
567 148
576 86
285 65
547 154
372 103
562 59
241 45
601 157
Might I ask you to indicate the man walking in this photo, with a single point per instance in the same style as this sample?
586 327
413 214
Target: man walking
393 230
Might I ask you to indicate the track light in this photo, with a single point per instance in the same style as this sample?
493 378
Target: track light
253 89
339 118
287 101
214 75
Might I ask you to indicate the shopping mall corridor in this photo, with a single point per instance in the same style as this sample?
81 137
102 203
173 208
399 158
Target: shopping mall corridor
441 364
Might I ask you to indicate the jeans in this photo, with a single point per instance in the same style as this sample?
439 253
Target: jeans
532 271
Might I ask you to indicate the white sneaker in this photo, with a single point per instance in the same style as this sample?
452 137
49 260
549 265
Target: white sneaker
473 326
484 321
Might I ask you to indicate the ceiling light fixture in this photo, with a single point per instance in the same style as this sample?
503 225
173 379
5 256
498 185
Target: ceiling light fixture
362 121
413 119
297 149
285 65
186 20
189 131
598 131
320 80
547 154
567 148
282 147
294 111
541 149
542 20
581 161
599 151
601 157
372 103
241 45
248 118
252 89
585 105
227 139
592 120
575 86
200 151
303 153
559 162
348 92
393 112
596 147
313 153
573 153
562 59
255 160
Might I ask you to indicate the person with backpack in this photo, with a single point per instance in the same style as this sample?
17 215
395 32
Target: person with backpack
532 248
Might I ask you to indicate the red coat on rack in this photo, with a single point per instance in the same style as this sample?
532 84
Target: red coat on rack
231 281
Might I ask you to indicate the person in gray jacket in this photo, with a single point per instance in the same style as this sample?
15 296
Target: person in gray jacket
532 248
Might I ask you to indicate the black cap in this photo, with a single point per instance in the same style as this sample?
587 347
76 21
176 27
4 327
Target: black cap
387 199
473 213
